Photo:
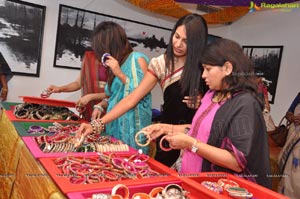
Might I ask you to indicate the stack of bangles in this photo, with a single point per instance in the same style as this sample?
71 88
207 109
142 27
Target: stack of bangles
60 138
43 112
171 191
98 126
106 167
230 186
148 140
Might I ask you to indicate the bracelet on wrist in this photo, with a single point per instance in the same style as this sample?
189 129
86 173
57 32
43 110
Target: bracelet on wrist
99 107
98 126
105 100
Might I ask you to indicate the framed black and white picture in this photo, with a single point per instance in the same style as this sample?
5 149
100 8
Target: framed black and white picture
266 61
21 36
75 27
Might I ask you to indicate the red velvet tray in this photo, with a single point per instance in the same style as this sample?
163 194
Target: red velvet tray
141 188
47 101
259 192
66 186
37 153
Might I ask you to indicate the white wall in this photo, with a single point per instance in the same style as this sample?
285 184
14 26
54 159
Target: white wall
257 28
31 86
270 27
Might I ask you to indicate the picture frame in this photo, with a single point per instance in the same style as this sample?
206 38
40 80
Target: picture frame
21 36
266 61
74 31
75 28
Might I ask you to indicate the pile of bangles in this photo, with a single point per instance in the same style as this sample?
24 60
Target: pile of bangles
44 112
171 191
104 168
61 139
230 186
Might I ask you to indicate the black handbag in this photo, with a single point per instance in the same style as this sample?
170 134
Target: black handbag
280 133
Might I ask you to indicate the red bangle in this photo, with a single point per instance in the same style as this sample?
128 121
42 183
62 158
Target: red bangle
129 168
161 144
139 157
109 175
60 160
78 179
94 178
117 187
93 161
117 162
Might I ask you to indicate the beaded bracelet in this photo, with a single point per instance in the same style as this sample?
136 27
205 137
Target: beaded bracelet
213 186
97 125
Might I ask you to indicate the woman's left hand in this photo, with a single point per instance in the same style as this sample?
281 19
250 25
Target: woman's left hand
83 101
113 64
156 130
179 140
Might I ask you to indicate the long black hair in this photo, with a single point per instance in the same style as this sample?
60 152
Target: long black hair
196 35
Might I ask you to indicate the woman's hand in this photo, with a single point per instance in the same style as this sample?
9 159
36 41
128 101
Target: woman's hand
178 140
191 102
113 64
84 130
96 114
53 89
83 101
156 130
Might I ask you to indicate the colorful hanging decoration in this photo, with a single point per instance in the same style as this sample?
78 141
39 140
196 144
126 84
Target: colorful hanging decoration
173 9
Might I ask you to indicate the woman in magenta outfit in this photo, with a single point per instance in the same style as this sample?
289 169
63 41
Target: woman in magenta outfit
227 133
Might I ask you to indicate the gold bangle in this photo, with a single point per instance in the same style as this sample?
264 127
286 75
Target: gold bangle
137 140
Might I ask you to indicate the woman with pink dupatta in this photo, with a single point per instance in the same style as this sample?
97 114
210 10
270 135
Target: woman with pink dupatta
227 133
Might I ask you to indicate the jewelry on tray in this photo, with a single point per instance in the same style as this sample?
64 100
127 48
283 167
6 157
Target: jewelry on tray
213 186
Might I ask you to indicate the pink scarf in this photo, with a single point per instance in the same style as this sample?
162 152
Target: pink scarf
192 162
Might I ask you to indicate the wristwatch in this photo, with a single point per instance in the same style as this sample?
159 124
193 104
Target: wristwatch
194 148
